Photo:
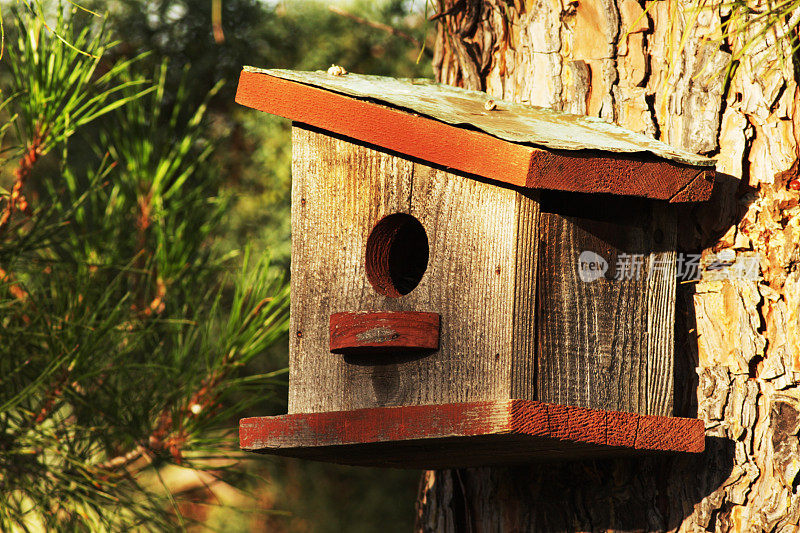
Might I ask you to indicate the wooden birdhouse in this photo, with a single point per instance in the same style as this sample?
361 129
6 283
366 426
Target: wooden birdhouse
474 282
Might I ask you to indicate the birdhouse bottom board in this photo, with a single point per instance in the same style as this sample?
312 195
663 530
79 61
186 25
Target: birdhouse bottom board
443 320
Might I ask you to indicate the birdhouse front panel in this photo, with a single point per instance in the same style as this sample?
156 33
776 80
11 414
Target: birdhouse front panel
473 281
475 240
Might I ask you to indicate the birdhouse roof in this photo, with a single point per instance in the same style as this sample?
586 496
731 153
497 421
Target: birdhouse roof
470 132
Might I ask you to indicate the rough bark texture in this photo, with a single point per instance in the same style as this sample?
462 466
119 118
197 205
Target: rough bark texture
659 68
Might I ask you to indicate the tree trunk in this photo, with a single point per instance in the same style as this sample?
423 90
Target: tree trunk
659 68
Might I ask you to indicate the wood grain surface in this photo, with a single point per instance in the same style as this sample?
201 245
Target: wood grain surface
340 190
604 344
464 434
607 343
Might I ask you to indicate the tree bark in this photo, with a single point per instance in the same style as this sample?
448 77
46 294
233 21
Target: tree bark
659 68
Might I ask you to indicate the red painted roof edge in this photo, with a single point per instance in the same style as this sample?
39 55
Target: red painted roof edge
474 152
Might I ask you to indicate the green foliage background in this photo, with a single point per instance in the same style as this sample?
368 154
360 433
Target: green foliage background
163 142
254 150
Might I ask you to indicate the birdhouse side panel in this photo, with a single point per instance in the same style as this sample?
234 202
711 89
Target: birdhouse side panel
607 303
340 191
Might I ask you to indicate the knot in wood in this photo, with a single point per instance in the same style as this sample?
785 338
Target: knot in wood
379 334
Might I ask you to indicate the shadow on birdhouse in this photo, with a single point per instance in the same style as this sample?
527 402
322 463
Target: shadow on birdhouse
473 284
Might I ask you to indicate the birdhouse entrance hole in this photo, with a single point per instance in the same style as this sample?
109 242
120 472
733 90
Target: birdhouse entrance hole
397 255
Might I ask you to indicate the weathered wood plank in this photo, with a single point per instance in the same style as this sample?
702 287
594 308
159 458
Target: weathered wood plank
340 191
523 370
605 341
463 434
661 286
599 172
471 228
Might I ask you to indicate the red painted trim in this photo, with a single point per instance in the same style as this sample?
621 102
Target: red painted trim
367 332
697 190
624 174
506 431
471 151
413 135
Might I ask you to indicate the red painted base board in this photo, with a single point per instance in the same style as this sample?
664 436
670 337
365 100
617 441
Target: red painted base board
467 434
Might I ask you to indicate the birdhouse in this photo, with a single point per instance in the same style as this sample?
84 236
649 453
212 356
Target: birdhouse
474 281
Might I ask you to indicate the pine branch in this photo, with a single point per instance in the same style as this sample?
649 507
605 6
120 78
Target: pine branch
16 201
378 26
122 337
